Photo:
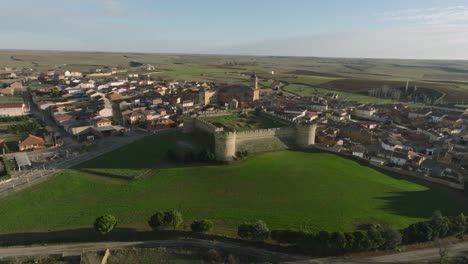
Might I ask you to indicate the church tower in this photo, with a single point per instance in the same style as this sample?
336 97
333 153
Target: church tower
254 81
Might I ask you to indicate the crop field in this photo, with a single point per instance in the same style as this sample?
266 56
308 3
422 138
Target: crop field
308 90
325 192
447 78
243 122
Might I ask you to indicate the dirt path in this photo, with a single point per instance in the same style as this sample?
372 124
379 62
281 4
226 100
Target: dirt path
78 249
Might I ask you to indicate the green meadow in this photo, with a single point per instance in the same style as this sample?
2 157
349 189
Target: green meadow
287 189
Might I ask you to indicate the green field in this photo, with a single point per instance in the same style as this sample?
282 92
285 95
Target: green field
446 77
287 189
307 90
243 122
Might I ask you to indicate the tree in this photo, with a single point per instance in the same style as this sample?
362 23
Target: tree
418 232
338 241
323 238
173 219
105 224
458 225
156 221
349 241
444 246
440 225
375 238
361 241
392 238
260 231
201 226
245 230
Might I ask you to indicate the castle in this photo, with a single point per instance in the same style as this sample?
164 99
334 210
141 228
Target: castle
295 135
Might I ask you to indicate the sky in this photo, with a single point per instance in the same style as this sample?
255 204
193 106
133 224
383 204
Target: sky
415 29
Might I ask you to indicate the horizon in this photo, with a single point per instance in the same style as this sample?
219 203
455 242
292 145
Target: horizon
226 55
427 30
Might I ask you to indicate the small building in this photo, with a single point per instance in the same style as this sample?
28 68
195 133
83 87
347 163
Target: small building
103 122
31 142
13 109
22 161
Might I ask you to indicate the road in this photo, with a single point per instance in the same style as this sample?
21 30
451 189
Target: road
78 249
417 256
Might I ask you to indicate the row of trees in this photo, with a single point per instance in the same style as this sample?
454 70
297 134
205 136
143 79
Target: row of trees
159 221
7 119
339 242
374 238
25 127
438 226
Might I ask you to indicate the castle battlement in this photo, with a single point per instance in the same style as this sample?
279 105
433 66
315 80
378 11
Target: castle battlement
227 142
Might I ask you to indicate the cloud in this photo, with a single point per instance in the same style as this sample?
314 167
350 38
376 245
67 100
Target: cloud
430 16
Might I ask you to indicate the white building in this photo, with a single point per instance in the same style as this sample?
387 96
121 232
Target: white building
13 109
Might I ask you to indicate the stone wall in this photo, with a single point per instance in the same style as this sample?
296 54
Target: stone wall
206 126
260 140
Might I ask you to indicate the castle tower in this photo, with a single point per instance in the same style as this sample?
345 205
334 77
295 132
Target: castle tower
225 146
254 81
254 87
305 135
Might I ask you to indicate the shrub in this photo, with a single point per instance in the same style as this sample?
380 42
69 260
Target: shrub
105 224
173 219
457 225
242 154
375 238
392 238
338 241
201 226
156 221
418 232
245 230
7 168
260 231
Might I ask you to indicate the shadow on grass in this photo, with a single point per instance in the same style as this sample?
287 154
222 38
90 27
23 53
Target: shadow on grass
83 235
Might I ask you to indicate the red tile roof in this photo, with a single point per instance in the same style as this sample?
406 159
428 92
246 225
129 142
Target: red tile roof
32 140
11 105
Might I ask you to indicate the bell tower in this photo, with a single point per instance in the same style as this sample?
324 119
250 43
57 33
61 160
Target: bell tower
254 81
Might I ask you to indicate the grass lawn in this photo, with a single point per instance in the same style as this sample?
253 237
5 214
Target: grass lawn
287 189
241 122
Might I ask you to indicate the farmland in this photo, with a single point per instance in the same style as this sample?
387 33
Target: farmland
356 76
327 192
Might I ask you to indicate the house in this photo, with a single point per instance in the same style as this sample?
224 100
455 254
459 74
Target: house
103 122
358 151
399 158
320 106
451 120
337 116
149 67
7 91
364 112
16 85
377 161
419 113
31 142
13 109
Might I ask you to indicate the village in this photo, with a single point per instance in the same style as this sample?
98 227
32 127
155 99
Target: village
71 107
